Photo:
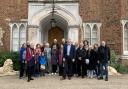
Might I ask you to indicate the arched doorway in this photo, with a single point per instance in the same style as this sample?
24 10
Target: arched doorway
66 19
58 32
55 33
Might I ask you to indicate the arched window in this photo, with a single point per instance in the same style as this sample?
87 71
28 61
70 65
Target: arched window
15 38
88 33
94 34
126 37
22 34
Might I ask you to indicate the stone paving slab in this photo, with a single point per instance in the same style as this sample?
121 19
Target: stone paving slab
54 82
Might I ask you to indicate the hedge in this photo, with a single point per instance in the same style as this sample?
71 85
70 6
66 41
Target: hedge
15 58
116 63
10 55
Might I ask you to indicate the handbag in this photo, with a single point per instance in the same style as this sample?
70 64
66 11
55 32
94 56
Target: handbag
42 67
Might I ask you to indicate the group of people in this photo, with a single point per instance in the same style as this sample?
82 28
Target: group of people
66 59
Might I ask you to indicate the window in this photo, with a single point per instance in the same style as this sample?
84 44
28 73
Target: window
15 38
22 34
126 38
88 33
92 34
18 35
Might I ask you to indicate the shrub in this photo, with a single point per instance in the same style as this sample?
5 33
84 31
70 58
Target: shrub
10 55
115 62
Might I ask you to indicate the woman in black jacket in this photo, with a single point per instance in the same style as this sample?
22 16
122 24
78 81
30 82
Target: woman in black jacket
80 55
96 60
90 61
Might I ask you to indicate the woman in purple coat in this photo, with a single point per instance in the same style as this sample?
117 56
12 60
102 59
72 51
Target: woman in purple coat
60 62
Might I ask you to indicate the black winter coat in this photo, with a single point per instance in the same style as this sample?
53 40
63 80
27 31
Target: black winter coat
104 54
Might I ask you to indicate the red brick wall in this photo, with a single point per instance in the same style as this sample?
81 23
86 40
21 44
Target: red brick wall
124 9
14 10
111 26
108 12
90 10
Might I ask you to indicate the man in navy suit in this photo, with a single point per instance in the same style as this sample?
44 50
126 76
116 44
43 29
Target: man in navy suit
68 59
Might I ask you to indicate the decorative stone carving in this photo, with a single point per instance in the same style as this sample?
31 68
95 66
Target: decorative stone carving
1 36
112 71
7 68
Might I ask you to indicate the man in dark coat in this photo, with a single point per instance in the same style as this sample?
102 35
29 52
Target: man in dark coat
104 58
68 59
80 55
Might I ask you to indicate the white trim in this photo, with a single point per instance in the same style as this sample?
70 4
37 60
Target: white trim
92 26
123 24
18 24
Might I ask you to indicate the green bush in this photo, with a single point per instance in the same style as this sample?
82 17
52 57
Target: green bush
116 63
10 55
15 58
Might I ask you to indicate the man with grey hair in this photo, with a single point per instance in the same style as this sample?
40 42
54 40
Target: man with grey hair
68 59
104 57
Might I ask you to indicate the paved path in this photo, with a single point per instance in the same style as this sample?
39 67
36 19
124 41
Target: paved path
54 82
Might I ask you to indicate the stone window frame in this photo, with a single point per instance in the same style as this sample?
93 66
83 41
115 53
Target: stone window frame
1 36
18 25
91 27
124 23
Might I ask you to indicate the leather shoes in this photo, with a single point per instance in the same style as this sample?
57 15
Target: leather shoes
31 79
28 80
100 78
62 78
106 79
69 78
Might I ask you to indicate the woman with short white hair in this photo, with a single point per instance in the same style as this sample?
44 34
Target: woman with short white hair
47 53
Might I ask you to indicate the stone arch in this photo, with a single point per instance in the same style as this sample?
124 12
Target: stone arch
22 27
87 28
43 13
95 28
126 25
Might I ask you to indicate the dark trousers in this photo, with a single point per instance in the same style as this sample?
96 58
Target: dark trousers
102 70
74 68
67 67
37 69
60 70
22 69
54 68
42 72
80 68
30 70
86 68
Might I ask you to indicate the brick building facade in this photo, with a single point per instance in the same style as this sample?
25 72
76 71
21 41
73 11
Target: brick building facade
110 17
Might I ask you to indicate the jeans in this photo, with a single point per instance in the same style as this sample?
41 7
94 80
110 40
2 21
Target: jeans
97 70
104 69
90 73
